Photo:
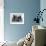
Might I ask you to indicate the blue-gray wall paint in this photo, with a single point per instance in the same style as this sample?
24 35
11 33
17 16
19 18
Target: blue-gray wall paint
29 8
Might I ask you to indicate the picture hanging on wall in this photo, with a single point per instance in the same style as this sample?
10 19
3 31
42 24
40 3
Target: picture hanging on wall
16 18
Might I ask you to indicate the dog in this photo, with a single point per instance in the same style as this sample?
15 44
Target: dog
16 18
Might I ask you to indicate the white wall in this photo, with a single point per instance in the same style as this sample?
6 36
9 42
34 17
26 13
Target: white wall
43 6
1 21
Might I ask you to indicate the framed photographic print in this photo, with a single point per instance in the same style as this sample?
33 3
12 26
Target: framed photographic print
16 18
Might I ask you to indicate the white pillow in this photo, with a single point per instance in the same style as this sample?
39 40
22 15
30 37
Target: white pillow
21 42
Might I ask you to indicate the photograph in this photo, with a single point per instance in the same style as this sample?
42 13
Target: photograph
16 18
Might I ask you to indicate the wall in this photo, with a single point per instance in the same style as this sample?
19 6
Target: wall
1 21
29 8
43 6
